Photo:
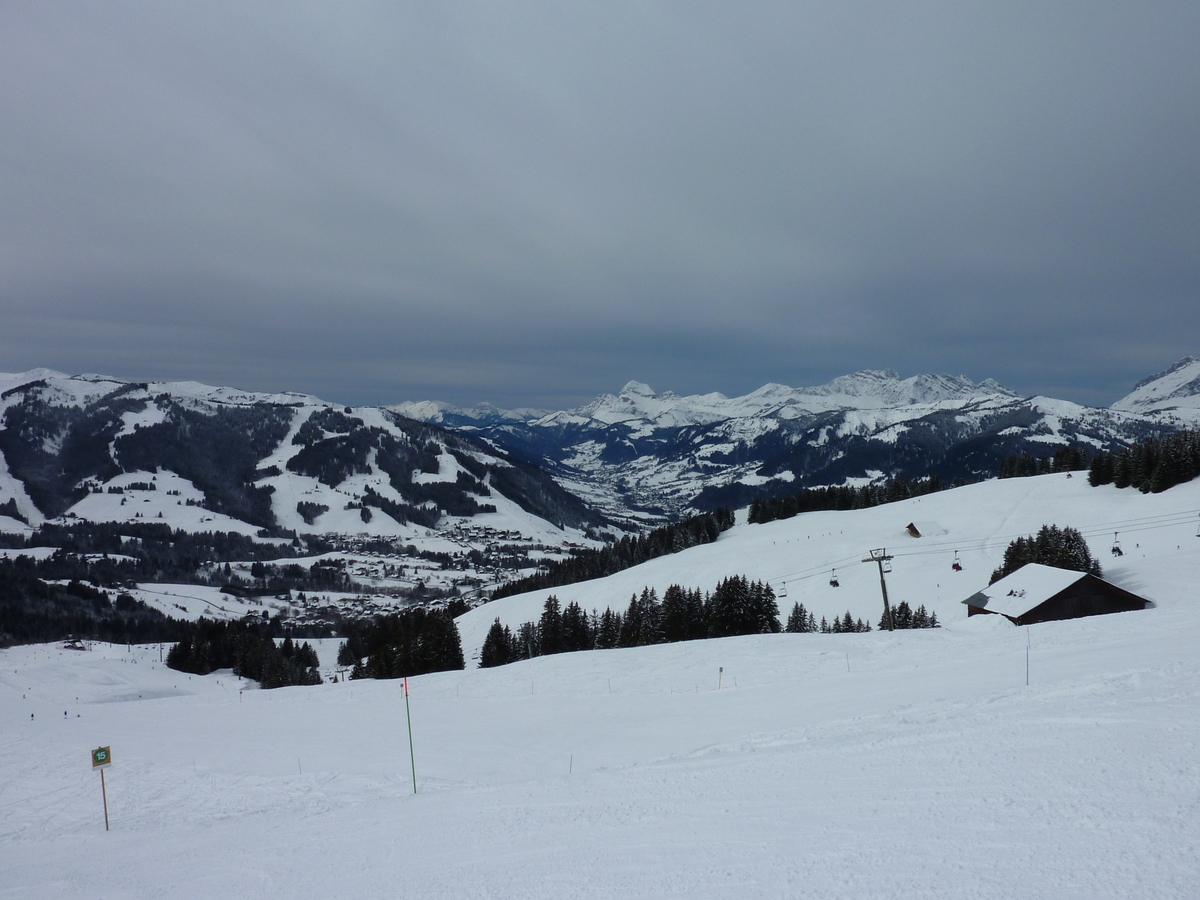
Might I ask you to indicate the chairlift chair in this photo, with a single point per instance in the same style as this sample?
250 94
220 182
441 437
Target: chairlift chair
782 591
1116 547
956 565
833 579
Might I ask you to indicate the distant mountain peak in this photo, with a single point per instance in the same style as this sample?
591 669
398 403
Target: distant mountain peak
888 387
637 389
1184 363
1177 387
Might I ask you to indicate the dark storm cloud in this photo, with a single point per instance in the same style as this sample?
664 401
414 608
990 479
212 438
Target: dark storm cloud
530 203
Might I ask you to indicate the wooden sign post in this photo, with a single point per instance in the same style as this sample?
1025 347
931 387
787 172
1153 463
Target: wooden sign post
102 759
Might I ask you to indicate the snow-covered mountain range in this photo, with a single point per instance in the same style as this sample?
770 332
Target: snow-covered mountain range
206 458
659 453
215 458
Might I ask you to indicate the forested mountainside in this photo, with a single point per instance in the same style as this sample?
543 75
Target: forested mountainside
82 447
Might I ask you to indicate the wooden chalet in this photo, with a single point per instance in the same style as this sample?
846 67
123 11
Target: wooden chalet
1036 593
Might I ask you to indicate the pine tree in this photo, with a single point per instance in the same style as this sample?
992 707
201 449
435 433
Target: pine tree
674 616
497 647
1063 548
650 631
797 622
576 632
550 628
738 608
609 632
631 624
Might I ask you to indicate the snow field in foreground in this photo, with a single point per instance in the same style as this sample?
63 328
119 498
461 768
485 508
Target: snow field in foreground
913 764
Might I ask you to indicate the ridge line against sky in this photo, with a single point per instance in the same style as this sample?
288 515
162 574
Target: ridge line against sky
530 204
615 393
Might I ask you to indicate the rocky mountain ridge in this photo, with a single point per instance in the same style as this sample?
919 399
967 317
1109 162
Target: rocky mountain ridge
655 454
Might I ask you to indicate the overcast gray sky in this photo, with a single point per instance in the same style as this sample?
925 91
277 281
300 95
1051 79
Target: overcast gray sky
532 203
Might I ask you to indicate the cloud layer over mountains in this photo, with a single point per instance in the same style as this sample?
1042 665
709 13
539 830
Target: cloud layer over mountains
527 204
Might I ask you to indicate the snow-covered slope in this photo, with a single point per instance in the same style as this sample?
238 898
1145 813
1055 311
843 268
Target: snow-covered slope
977 760
797 556
1177 390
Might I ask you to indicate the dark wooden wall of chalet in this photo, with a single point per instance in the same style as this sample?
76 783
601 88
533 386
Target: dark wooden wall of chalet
1087 597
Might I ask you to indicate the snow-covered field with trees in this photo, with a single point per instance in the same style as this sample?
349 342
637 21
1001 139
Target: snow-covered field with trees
908 764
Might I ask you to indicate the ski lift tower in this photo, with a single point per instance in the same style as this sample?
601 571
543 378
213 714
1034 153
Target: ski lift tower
884 560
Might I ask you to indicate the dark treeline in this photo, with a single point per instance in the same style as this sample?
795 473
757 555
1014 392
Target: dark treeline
249 650
35 611
826 498
163 553
1152 465
801 621
1072 458
737 606
115 572
412 642
1063 548
119 554
624 554
904 616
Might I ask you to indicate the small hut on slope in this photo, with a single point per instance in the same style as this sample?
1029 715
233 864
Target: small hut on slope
1036 593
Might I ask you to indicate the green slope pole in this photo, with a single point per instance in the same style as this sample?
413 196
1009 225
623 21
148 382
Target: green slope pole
411 756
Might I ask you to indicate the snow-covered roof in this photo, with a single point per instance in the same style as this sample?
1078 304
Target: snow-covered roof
1031 585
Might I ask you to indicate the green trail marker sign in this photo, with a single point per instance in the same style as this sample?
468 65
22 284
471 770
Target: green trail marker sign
102 759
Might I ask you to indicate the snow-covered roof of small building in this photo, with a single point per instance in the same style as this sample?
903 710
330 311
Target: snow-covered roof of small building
1031 585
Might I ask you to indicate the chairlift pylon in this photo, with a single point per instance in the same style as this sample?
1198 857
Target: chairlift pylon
833 579
956 565
1116 547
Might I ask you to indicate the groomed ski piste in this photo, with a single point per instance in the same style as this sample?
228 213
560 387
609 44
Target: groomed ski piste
905 764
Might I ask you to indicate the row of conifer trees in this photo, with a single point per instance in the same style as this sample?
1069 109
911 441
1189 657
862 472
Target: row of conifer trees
1071 458
1152 465
1063 548
625 553
771 509
801 621
410 642
736 606
246 648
